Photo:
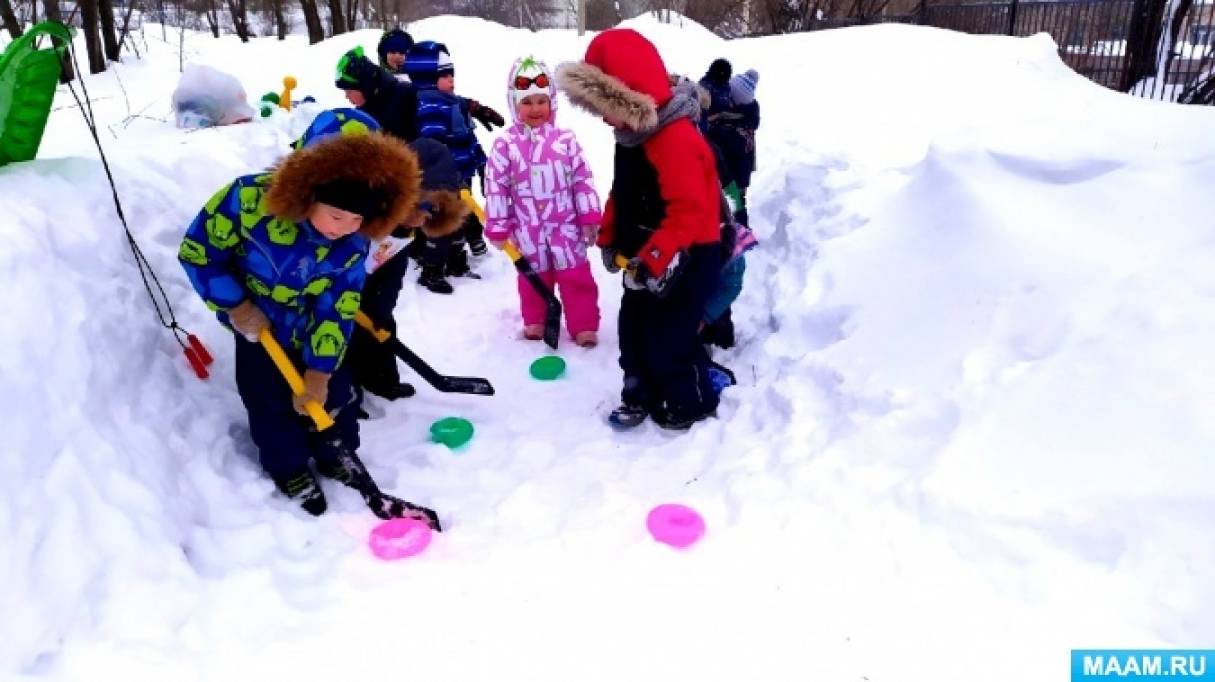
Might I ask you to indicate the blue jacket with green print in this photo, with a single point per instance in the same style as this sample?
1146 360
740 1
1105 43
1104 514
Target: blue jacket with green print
308 286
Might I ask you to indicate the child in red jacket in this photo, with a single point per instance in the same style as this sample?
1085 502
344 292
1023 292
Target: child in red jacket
662 216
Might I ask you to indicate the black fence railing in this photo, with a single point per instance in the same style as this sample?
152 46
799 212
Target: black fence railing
1120 44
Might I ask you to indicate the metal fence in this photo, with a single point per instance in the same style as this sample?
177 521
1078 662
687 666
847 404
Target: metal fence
1096 38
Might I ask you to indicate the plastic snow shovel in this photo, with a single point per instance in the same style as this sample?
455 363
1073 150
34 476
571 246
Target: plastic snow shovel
381 504
441 382
552 307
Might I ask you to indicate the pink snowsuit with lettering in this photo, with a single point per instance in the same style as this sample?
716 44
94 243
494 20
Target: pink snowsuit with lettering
538 194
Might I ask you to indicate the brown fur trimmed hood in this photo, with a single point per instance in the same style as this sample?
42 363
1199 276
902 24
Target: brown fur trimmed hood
382 162
588 87
448 214
622 76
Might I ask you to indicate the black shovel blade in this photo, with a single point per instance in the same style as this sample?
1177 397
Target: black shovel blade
471 385
443 383
552 323
552 306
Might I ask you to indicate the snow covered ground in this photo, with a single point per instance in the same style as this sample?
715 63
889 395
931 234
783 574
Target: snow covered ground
972 432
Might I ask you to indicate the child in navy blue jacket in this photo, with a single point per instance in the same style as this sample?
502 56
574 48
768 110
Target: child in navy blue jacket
391 102
448 118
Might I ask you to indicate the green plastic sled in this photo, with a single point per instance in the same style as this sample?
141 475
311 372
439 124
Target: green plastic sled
28 76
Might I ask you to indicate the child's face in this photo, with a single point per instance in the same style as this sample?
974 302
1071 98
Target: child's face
396 59
355 97
535 110
333 222
446 83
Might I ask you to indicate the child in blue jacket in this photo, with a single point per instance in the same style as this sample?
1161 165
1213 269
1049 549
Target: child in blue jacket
284 251
448 118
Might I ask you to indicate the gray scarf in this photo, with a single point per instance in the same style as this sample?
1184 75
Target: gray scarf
684 103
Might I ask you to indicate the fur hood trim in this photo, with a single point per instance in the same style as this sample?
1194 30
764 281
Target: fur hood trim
382 162
449 213
590 88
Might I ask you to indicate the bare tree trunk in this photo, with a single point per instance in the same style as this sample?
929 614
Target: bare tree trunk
280 20
352 14
212 15
126 29
240 19
67 73
109 35
10 19
92 35
337 19
312 19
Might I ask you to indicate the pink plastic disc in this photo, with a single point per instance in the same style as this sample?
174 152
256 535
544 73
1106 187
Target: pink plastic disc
399 538
675 524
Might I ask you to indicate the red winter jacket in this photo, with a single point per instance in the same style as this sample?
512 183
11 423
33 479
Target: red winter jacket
665 192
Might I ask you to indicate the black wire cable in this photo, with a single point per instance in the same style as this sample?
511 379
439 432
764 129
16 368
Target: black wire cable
165 314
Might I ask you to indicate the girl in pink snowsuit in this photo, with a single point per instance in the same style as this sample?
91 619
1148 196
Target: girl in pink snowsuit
538 194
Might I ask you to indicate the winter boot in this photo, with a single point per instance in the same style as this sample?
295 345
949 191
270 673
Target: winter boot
587 339
305 489
533 332
432 278
676 420
392 391
627 416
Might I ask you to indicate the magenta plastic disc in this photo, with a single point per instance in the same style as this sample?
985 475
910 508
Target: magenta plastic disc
399 538
675 524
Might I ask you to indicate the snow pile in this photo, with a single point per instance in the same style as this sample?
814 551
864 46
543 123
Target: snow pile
970 433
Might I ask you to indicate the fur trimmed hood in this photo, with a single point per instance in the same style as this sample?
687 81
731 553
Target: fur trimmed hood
622 76
382 162
440 187
448 212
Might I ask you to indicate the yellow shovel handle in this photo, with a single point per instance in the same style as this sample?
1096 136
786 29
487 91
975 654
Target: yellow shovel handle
473 206
312 407
361 319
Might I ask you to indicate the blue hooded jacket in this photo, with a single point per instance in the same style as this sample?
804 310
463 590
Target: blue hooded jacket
306 284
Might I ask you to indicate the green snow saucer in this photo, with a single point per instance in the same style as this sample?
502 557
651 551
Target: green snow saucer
451 431
547 368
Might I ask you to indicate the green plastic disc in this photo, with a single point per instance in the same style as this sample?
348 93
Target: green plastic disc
451 431
547 368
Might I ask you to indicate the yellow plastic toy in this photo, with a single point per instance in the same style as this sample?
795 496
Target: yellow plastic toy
284 100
